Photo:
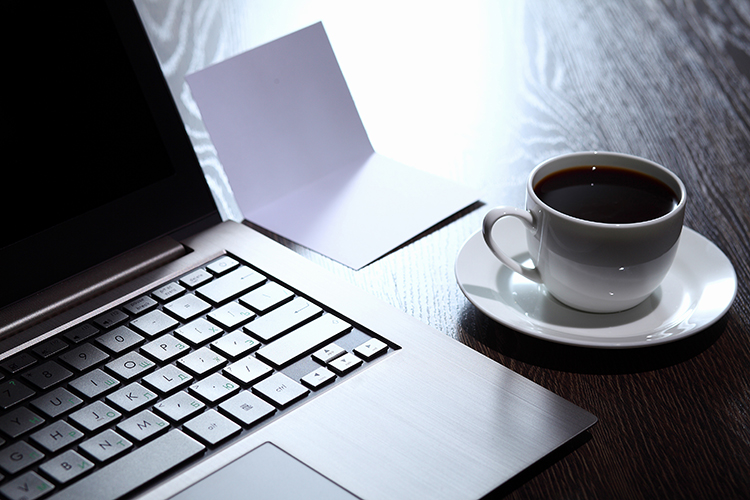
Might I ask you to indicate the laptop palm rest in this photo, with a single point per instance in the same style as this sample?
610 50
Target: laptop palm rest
265 473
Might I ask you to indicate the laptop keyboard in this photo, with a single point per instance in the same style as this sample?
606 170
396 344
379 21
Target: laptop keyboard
100 410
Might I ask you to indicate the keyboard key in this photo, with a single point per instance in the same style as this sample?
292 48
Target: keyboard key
13 392
50 347
304 339
166 348
199 332
248 370
83 357
106 446
231 315
46 375
95 416
57 436
143 426
134 469
131 397
211 427
81 332
328 353
231 285
345 364
28 486
154 323
196 278
18 456
95 383
187 307
120 339
371 349
214 388
18 362
222 265
318 378
169 292
57 402
246 408
266 297
235 344
19 421
168 379
130 365
179 407
280 390
202 361
283 319
111 318
140 305
66 467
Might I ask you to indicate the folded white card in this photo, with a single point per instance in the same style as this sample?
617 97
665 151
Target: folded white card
298 158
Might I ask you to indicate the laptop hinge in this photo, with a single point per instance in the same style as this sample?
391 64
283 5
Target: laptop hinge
87 285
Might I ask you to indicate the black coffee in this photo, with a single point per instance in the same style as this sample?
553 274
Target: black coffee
606 194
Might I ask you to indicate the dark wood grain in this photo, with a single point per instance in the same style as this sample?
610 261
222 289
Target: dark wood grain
664 79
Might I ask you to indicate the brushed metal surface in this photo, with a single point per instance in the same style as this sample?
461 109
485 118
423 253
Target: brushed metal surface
435 419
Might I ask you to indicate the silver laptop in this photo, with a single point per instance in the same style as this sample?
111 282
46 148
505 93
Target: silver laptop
149 350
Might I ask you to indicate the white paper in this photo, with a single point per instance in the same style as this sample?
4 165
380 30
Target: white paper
298 158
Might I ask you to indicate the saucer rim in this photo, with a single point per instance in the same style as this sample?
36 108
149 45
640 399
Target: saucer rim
546 332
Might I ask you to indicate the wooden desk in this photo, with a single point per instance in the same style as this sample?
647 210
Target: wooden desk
482 92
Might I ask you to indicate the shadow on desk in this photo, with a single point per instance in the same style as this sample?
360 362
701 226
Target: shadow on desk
478 331
539 467
300 249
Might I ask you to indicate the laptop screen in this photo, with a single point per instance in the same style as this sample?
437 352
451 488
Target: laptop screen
89 172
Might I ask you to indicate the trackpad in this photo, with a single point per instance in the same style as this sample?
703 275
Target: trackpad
265 473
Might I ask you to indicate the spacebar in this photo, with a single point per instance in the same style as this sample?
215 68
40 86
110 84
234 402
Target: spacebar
135 469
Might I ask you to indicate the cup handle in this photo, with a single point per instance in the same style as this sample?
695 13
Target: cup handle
524 216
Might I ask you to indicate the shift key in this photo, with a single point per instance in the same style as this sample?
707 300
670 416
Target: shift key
304 339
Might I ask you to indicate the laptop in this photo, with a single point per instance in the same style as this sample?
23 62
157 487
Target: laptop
150 350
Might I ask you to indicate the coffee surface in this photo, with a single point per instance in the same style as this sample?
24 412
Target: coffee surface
606 194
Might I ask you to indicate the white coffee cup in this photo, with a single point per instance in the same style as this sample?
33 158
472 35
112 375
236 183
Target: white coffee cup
599 267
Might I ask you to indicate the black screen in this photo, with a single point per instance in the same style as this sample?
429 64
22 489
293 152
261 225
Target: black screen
97 160
75 117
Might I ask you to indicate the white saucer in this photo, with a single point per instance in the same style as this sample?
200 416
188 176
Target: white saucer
696 292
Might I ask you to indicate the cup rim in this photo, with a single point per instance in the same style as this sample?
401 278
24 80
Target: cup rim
679 208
